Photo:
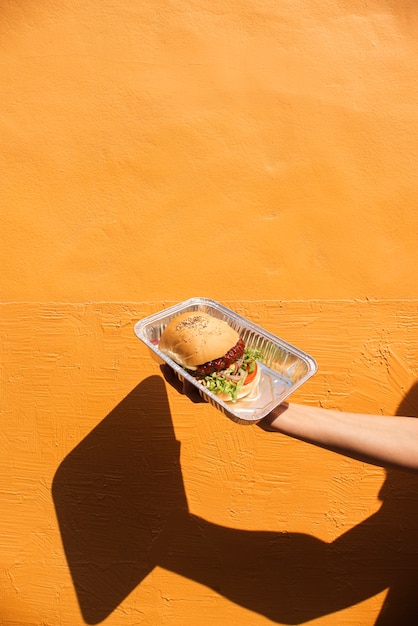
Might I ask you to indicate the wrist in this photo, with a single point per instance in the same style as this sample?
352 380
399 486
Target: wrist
271 422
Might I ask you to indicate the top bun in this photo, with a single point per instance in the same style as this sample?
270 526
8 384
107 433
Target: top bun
194 338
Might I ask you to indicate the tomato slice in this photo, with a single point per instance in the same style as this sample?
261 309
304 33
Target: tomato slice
251 376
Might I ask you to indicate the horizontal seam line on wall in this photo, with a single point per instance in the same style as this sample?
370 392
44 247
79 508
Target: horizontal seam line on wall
141 302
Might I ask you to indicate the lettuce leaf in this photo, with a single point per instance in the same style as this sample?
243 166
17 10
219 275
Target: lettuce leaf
220 382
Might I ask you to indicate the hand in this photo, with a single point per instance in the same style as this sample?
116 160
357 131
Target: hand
184 387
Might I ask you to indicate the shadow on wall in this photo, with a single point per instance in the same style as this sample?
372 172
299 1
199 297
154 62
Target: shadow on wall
122 510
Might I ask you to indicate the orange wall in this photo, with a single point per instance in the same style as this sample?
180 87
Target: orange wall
280 135
260 153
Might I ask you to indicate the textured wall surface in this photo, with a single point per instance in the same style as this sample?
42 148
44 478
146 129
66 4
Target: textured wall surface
105 517
267 131
260 153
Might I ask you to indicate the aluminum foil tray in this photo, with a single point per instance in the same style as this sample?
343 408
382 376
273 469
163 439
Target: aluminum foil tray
283 367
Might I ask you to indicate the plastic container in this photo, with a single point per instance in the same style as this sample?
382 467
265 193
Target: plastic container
284 368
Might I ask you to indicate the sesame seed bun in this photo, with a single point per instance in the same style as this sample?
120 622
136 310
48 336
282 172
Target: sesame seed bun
193 338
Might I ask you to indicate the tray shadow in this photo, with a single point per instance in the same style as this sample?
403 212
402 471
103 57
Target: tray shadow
122 510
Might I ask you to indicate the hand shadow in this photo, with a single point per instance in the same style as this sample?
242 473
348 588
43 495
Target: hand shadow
115 495
181 386
122 510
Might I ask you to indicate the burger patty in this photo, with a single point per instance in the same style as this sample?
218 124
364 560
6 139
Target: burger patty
223 362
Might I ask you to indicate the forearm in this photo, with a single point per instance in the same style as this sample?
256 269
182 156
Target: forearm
389 441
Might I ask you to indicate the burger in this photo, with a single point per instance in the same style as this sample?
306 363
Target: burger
213 353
